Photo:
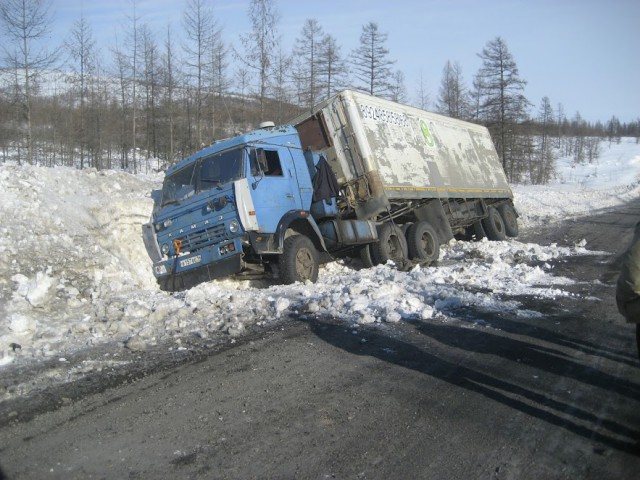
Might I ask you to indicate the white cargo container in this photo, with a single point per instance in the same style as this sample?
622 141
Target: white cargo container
404 165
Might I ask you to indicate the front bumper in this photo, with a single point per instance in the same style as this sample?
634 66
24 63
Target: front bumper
216 261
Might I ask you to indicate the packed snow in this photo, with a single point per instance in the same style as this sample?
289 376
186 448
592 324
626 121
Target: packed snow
74 273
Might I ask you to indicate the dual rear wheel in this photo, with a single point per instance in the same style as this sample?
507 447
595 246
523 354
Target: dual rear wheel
501 222
417 241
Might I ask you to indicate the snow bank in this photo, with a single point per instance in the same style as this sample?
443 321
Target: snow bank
611 180
74 273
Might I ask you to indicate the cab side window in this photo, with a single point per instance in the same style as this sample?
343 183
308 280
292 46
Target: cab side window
265 162
272 160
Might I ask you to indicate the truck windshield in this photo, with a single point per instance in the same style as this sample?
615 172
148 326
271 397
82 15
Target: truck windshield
203 174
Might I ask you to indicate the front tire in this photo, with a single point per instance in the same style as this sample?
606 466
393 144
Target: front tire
299 260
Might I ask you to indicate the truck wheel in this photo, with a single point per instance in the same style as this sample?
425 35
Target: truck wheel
510 218
299 260
494 225
171 284
423 242
473 233
391 245
365 257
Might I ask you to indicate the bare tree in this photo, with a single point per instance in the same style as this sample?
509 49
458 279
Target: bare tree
170 82
201 29
242 78
423 99
282 70
371 65
218 81
81 47
25 23
398 88
150 81
133 41
453 98
542 170
121 66
332 67
261 45
308 53
614 129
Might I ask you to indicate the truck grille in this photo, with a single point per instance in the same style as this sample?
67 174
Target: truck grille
204 238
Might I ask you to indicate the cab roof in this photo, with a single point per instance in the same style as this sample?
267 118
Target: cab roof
274 135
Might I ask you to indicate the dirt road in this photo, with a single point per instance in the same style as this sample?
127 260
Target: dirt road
475 395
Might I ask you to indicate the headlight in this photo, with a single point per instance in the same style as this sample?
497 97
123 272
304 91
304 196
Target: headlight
234 226
165 224
165 248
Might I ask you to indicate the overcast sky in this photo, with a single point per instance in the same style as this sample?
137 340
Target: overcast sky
581 53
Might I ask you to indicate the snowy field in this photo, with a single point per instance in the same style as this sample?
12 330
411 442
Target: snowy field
74 273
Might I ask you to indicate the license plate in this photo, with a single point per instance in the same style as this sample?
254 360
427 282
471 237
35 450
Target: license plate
190 261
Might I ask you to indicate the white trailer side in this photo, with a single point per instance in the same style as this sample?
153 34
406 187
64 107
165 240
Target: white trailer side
414 154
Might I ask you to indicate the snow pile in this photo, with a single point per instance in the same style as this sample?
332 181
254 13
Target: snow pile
74 273
69 250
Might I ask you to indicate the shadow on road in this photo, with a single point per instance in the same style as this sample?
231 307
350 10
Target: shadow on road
533 355
535 404
559 339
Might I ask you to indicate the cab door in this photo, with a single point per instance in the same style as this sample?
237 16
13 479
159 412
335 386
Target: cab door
274 186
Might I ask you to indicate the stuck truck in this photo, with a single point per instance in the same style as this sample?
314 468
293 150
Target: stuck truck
356 176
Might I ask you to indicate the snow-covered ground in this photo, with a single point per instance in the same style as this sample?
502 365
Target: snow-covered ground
74 273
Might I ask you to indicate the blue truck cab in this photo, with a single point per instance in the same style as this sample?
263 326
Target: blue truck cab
240 202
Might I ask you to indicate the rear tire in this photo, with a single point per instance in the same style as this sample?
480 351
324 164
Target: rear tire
299 260
423 242
365 256
510 218
391 245
494 225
